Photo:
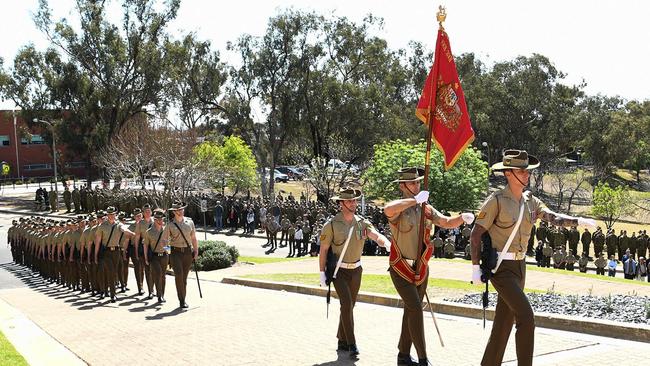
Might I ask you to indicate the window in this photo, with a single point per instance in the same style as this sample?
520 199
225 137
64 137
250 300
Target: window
43 166
76 164
4 140
36 140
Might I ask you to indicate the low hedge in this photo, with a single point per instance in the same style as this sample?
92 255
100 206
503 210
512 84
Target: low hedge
215 255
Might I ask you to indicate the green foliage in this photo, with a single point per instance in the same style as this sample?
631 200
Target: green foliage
610 203
461 188
231 162
215 255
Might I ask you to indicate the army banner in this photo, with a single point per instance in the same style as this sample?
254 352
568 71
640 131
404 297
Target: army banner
452 130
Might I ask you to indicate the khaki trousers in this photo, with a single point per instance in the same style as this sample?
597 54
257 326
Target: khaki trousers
108 270
158 266
512 307
413 318
181 259
347 283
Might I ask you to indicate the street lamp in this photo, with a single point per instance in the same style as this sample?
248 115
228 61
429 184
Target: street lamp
36 120
487 152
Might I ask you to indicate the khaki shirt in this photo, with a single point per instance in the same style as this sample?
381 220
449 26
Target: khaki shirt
74 239
104 231
404 229
335 233
499 218
142 227
174 237
151 237
127 239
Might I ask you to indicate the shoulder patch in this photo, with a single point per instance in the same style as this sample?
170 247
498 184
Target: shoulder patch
481 215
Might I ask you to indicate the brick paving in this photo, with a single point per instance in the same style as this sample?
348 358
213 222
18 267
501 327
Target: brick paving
245 326
240 325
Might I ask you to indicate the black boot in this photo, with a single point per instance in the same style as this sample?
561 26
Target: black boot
342 346
354 351
424 362
405 360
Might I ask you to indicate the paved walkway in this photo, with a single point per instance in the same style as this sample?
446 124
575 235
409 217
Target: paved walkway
239 325
244 326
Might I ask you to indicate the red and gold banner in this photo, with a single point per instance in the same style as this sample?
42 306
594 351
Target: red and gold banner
442 93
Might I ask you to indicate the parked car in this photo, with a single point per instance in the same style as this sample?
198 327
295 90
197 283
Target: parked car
292 172
278 176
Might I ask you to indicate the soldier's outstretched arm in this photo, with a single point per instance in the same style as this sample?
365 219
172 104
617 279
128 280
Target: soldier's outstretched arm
379 238
563 220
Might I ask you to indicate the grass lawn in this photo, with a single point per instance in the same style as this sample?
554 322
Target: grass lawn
264 260
379 283
8 354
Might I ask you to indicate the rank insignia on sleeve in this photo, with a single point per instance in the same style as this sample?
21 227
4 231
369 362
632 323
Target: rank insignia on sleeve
322 237
481 215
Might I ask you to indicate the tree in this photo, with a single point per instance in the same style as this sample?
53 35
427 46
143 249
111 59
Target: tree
610 203
230 163
110 74
194 77
461 188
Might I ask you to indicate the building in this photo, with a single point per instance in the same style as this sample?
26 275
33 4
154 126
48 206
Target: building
32 157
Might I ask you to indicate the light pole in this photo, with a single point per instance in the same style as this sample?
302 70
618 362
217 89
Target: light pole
16 142
56 181
487 152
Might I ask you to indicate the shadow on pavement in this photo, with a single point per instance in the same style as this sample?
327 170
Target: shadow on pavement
82 301
343 358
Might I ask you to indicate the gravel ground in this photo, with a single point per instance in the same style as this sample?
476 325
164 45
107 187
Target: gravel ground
621 308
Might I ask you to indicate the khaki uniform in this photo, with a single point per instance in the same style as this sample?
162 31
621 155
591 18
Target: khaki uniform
159 260
600 264
498 216
181 257
404 231
142 271
348 280
108 261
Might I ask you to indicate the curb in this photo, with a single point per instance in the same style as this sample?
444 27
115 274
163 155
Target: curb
604 328
35 345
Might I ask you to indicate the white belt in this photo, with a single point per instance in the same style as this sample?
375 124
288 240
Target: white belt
354 265
410 261
510 256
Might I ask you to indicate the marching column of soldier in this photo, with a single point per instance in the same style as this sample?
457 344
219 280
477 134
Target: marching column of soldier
91 253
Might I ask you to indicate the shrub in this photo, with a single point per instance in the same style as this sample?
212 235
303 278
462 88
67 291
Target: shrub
215 255
18 182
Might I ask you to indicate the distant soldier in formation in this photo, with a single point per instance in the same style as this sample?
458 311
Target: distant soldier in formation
76 200
54 204
574 239
67 199
585 239
612 243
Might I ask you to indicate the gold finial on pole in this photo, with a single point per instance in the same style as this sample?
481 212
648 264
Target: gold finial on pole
441 15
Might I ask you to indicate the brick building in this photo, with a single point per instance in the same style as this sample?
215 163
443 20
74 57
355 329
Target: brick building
32 158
